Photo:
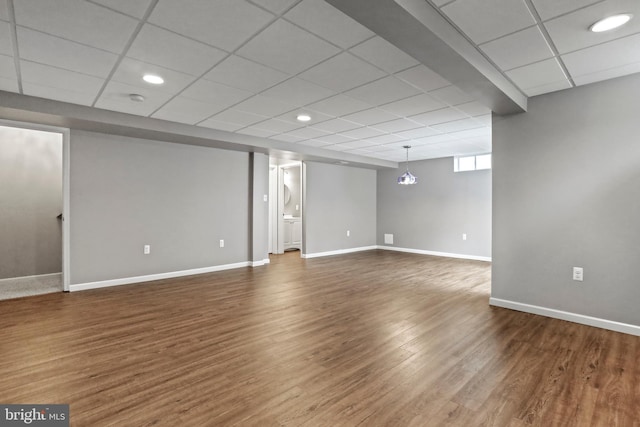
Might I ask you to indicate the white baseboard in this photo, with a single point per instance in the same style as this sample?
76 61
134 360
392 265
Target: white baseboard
434 253
565 315
339 252
30 278
150 277
259 263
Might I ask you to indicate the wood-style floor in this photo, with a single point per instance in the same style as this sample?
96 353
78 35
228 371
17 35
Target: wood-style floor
374 339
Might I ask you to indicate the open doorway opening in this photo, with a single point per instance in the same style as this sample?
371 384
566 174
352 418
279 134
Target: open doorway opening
32 210
285 206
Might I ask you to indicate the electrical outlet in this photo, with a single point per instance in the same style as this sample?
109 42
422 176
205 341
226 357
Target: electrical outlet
221 243
388 239
578 274
147 249
266 198
464 236
348 233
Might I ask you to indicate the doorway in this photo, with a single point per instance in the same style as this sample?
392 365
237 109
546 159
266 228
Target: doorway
285 206
33 208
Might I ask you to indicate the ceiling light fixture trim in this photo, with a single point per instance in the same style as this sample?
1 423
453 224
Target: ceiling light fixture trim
610 22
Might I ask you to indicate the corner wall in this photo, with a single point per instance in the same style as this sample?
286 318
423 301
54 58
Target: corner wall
433 214
566 192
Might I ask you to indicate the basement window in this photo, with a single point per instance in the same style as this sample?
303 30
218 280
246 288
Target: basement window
472 163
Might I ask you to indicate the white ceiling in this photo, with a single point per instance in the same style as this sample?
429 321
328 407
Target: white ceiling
250 66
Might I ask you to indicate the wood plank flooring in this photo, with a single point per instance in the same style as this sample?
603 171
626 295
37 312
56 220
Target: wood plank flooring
367 339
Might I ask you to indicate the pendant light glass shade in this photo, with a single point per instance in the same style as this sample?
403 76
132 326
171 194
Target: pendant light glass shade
407 178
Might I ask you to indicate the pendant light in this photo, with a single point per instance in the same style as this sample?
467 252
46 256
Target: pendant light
406 178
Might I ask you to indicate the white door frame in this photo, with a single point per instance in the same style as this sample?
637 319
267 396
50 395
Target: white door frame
66 199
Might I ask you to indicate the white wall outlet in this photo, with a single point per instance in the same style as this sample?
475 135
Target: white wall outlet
578 274
297 207
464 236
265 198
348 233
388 239
147 249
221 243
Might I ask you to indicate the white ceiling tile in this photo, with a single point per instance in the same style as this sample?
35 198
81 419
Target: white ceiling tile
485 119
287 48
384 139
383 54
458 125
115 97
363 132
333 139
307 133
338 147
383 91
484 20
434 139
6 47
440 3
609 55
57 94
571 32
135 8
39 47
186 110
381 148
298 92
361 152
550 8
287 138
474 108
451 95
244 74
607 74
275 6
57 78
539 74
314 143
218 125
324 20
222 23
130 71
339 105
277 126
161 47
508 52
370 117
342 72
416 133
481 132
423 78
351 145
77 20
397 125
238 117
264 106
439 116
414 105
256 132
336 125
215 93
7 68
4 11
9 85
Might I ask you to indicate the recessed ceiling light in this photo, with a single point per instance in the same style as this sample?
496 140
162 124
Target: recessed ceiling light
610 22
153 79
303 117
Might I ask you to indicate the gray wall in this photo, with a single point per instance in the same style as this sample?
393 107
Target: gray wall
260 207
337 199
180 199
433 214
567 193
30 201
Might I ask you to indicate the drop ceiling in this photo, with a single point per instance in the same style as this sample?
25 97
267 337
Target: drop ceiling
248 67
